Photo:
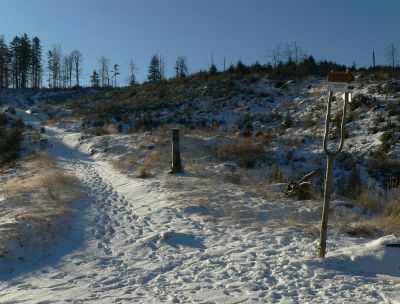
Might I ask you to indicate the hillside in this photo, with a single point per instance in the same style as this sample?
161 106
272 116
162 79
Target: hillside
222 231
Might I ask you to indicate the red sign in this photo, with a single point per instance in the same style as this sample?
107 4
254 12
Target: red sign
345 77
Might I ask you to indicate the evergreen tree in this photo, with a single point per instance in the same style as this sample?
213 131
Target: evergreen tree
115 73
15 48
213 69
36 61
154 69
95 79
4 63
241 68
25 59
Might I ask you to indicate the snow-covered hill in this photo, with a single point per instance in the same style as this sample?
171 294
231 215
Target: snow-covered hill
221 232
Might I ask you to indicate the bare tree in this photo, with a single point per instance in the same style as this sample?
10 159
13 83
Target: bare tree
392 55
296 52
288 52
161 66
276 55
77 60
104 71
70 64
181 69
132 77
56 66
66 71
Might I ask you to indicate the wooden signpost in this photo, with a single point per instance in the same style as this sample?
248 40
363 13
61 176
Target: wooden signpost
342 80
344 77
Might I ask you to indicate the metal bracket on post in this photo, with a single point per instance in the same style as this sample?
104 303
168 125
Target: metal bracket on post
329 167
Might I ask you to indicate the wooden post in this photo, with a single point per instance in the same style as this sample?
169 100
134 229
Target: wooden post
325 210
329 168
176 153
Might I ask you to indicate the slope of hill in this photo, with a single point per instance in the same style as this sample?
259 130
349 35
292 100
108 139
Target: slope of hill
221 232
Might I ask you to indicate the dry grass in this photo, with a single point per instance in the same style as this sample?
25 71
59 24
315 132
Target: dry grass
125 165
276 175
269 193
369 200
154 162
111 128
32 201
46 181
242 150
385 210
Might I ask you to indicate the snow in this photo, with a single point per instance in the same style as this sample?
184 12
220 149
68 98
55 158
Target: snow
138 241
131 243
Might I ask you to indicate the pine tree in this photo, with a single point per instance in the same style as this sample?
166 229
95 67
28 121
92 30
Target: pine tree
15 47
115 73
213 69
36 61
25 59
154 69
4 63
94 79
241 68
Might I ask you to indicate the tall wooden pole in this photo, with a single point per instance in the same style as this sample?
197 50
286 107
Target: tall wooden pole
176 154
329 169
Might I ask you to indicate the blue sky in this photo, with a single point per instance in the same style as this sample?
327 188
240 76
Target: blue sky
342 30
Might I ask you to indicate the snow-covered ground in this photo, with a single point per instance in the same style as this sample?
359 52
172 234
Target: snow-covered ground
133 241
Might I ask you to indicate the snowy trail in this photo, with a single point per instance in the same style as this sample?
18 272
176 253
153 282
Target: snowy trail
131 244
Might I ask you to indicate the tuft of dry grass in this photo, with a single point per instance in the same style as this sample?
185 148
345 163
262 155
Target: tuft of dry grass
369 200
242 150
111 128
144 171
276 175
47 181
154 161
125 165
385 210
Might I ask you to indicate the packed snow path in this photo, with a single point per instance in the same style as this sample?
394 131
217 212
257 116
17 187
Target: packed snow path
129 243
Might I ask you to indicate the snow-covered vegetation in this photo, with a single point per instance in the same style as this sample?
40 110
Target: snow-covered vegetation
222 231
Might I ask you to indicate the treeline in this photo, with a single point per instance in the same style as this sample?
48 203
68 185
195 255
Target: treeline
22 66
281 70
21 62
